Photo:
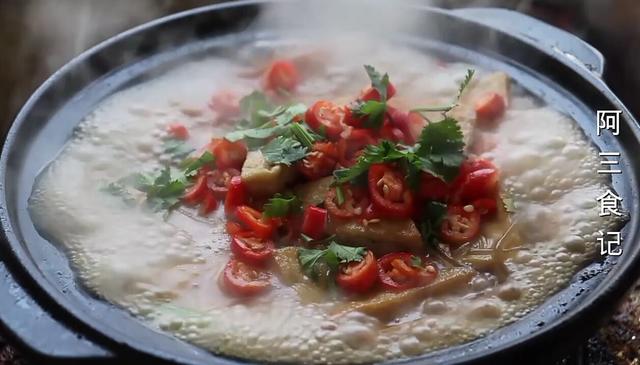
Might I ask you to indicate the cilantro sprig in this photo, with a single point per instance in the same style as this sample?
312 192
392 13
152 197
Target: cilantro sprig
163 191
322 263
118 189
282 205
373 110
176 148
439 151
431 220
283 150
446 108
191 166
262 124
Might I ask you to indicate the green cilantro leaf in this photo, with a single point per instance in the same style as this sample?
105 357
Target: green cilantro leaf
163 191
254 106
282 205
416 261
283 150
312 261
508 203
177 148
119 190
434 213
465 83
275 122
320 263
385 151
302 133
446 108
339 195
289 113
441 147
346 254
374 111
260 133
192 166
378 82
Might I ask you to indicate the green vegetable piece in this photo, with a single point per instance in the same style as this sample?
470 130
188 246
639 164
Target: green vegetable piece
282 205
192 166
316 263
283 150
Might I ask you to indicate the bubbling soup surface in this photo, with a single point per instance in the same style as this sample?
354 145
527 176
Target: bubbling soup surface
166 268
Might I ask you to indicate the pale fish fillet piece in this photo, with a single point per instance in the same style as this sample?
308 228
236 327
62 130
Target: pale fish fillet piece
465 114
388 304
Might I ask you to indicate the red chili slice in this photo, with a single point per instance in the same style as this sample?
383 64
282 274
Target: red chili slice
178 130
250 249
490 107
401 271
236 196
432 188
354 205
314 222
320 162
477 179
486 206
372 94
281 75
460 226
228 154
226 104
358 277
350 118
388 191
242 280
402 121
209 203
196 192
253 221
350 147
391 132
326 117
219 180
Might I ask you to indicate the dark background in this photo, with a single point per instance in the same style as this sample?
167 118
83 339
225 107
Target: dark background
39 36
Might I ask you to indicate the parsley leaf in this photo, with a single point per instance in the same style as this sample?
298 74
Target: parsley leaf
118 189
176 148
374 111
320 263
416 261
440 150
282 205
507 202
339 195
378 82
192 166
300 132
276 123
465 83
385 151
446 108
253 107
163 191
434 213
289 113
283 150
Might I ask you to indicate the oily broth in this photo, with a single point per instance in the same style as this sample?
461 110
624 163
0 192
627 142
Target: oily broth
167 271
